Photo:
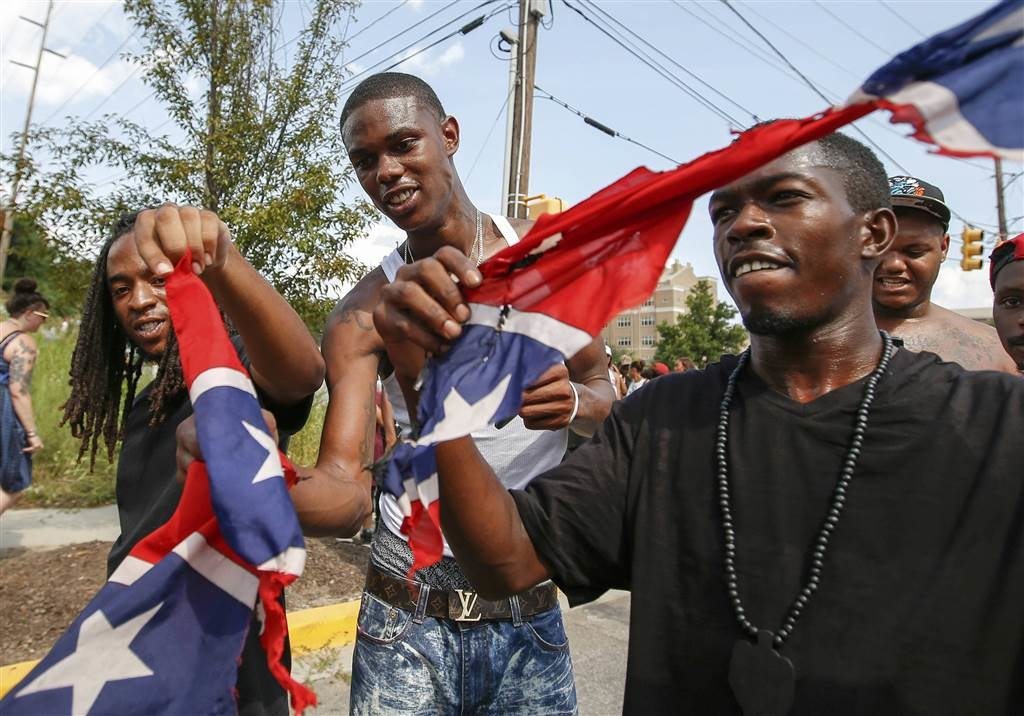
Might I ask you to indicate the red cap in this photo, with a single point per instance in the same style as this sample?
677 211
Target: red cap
661 369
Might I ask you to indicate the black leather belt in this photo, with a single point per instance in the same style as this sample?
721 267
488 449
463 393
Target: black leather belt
460 605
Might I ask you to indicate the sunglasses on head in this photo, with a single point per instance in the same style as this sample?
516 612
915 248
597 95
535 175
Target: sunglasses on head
42 315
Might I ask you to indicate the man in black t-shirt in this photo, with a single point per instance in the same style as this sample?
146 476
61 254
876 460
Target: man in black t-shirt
126 315
827 525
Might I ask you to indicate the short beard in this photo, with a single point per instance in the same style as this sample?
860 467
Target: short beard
767 323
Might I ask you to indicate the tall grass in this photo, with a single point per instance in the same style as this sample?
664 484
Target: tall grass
58 478
304 446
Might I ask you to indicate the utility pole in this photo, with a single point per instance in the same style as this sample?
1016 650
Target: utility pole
1004 234
5 238
518 141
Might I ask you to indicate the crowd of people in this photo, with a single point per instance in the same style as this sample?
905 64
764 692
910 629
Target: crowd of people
830 520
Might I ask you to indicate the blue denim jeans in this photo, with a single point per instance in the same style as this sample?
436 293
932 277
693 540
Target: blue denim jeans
410 664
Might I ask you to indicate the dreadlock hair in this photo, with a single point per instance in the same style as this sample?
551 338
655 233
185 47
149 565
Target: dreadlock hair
105 361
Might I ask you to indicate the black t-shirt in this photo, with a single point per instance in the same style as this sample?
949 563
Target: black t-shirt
148 494
920 608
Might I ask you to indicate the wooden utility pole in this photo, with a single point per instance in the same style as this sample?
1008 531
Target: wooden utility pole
518 149
1000 203
5 238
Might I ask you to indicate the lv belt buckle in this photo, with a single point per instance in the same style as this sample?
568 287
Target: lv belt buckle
463 611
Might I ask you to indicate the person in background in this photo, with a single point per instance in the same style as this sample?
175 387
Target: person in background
907 273
1007 277
614 376
683 364
19 439
636 376
624 363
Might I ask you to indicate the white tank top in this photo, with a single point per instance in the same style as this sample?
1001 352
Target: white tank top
515 453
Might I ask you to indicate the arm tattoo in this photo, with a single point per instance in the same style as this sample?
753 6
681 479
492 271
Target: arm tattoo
21 366
353 315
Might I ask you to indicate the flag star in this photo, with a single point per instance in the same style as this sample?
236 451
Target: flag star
271 466
102 654
462 417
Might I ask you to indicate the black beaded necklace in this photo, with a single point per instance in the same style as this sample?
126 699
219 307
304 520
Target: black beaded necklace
763 680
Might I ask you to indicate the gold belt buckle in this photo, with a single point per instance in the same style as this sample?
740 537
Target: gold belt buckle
463 611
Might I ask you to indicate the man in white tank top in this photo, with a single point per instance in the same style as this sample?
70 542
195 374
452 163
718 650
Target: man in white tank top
433 645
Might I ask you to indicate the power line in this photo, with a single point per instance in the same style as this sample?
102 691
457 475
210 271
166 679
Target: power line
464 30
501 110
81 87
661 70
413 27
599 126
711 87
800 41
396 8
904 20
854 30
812 85
835 96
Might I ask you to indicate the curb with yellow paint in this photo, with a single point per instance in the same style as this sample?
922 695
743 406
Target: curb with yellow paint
308 630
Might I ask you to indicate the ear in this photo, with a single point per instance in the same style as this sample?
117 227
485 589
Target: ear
944 245
879 233
450 135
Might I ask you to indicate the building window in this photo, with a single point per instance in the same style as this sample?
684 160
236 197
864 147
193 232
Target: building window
625 343
647 341
647 320
624 322
649 301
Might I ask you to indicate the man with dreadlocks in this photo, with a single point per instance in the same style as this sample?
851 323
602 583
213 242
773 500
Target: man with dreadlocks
125 324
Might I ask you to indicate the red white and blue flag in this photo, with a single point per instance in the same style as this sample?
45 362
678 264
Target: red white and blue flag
547 296
165 632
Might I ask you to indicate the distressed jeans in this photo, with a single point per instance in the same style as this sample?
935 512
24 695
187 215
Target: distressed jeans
411 664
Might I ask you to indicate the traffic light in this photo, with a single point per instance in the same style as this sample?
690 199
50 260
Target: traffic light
543 204
971 249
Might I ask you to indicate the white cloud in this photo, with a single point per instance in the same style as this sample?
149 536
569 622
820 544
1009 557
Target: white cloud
428 63
76 28
370 250
962 289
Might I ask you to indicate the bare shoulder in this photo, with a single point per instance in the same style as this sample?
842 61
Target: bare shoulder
24 343
958 339
350 327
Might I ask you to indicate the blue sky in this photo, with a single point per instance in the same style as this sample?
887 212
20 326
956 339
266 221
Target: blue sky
836 44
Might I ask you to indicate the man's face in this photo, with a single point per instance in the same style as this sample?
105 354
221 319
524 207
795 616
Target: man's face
1008 310
402 153
908 270
790 248
138 297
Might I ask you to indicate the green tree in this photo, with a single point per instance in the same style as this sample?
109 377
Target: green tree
62 278
703 333
256 140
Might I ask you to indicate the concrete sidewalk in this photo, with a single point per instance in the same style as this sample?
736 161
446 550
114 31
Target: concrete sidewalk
46 528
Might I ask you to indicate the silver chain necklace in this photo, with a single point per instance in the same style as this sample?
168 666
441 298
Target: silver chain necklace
476 251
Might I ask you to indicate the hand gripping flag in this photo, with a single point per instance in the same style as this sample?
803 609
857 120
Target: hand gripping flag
545 298
164 634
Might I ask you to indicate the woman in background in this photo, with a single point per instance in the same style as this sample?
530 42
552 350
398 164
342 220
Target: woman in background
18 437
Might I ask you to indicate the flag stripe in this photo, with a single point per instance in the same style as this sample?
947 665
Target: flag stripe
566 339
230 577
130 569
217 378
